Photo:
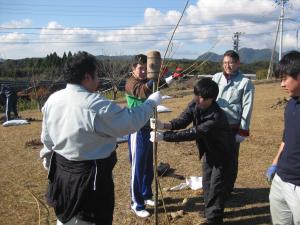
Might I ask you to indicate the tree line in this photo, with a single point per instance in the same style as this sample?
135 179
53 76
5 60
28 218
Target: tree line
51 67
45 68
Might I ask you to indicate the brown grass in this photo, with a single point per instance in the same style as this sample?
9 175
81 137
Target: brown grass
23 180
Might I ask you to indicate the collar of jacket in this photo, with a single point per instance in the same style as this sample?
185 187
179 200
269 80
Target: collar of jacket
207 110
297 99
231 76
76 87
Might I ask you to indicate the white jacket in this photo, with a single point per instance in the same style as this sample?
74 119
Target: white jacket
80 125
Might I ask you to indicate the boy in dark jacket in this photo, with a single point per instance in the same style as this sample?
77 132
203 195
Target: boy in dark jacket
214 141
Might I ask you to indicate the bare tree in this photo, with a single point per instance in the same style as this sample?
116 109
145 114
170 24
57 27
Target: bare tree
115 71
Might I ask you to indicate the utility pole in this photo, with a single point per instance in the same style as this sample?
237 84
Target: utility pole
281 28
270 70
282 4
236 40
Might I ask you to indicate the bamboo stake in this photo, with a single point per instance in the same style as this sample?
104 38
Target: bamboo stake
153 69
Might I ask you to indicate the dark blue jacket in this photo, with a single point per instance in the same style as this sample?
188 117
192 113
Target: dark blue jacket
289 160
7 91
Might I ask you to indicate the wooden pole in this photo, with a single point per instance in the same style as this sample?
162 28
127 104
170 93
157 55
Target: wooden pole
270 69
153 69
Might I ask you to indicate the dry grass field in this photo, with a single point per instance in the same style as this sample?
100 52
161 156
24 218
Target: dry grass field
23 179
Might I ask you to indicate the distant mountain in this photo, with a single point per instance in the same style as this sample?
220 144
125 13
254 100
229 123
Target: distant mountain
247 55
120 58
211 56
2 60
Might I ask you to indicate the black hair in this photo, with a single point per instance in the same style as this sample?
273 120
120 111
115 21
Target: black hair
78 65
139 59
206 88
232 54
289 65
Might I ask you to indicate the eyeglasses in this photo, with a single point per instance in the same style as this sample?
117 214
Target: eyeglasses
229 63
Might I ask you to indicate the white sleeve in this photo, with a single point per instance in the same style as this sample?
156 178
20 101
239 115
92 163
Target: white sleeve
45 138
115 121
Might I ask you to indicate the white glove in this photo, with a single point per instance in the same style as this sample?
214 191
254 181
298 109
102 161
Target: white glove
155 97
159 136
239 138
160 125
169 80
46 163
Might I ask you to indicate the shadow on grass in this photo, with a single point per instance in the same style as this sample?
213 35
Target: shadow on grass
256 219
257 209
246 206
248 196
171 173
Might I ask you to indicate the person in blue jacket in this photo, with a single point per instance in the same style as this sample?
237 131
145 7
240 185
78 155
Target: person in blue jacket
236 94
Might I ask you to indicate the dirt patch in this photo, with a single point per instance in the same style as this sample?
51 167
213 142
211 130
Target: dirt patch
34 143
280 103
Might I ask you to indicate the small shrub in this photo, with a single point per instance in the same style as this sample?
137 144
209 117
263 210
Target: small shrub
261 74
25 104
109 95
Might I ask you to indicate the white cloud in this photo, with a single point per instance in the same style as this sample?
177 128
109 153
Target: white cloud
13 37
289 41
293 8
206 25
17 24
224 10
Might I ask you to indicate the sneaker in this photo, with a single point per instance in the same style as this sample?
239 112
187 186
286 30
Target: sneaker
149 202
140 213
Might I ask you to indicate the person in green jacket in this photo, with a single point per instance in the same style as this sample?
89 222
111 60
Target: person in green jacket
137 89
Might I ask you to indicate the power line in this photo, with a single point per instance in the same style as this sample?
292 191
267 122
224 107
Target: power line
125 6
291 19
98 14
82 6
92 42
144 27
85 13
122 34
124 41
129 34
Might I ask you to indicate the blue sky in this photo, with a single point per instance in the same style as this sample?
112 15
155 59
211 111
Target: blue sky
36 28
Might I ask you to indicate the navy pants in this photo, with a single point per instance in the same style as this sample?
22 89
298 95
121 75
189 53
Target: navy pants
141 159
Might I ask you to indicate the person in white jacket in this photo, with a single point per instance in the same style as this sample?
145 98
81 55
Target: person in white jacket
236 93
79 133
